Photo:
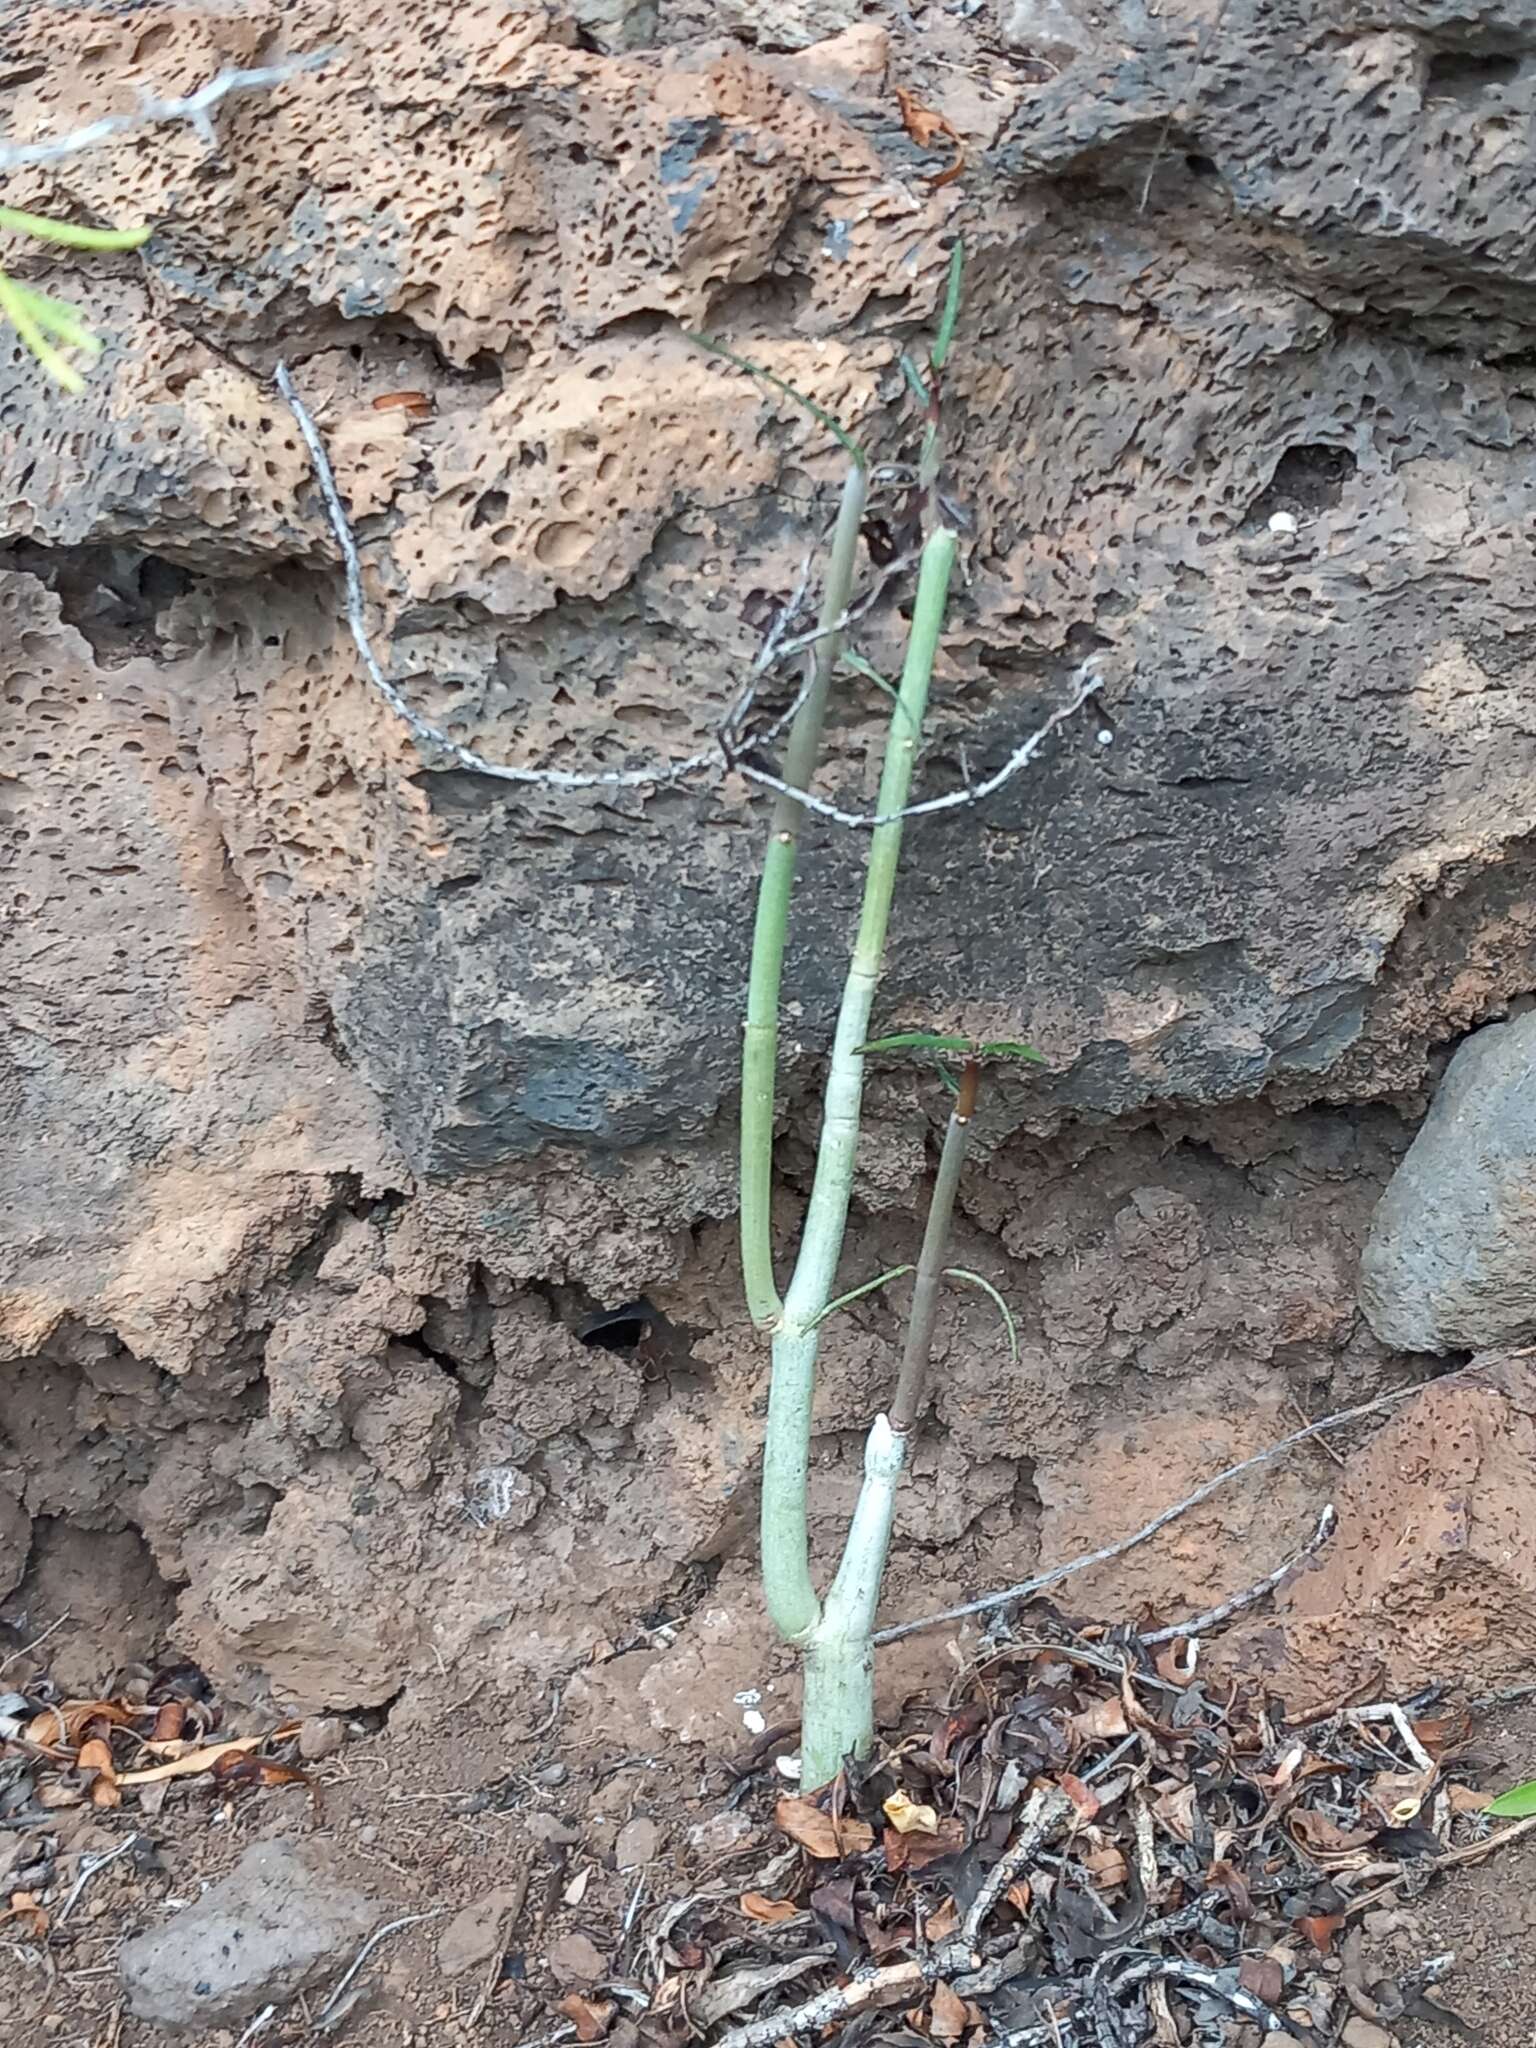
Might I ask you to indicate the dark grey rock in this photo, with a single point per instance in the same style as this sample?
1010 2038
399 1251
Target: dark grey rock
271 1928
1450 1264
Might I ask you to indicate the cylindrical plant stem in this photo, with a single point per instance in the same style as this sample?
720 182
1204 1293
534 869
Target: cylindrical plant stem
759 1057
787 1582
838 1714
926 1288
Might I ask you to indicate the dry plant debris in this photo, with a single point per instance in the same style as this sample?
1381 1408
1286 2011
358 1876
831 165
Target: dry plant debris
1087 1844
121 1752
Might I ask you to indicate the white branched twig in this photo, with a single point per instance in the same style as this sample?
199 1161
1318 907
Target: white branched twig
1213 1617
1087 680
725 750
1028 1588
151 112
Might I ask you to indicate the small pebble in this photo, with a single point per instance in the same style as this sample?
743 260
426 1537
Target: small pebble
1363 2033
368 1835
320 1735
551 1774
753 1722
1282 523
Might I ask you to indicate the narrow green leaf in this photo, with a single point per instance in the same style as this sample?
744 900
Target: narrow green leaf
56 318
817 412
851 658
917 1041
976 1280
1516 1803
939 353
854 1293
1010 1049
914 377
68 234
946 1077
14 306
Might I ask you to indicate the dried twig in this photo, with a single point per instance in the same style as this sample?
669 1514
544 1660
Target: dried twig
1213 1617
1044 1816
151 112
1027 1588
1087 680
259 2025
723 749
337 2006
27 1648
1047 1812
1470 1852
423 728
89 1866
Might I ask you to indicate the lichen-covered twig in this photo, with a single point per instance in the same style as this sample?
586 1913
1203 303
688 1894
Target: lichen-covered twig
724 749
1213 1617
1086 681
1027 1588
152 112
1046 1814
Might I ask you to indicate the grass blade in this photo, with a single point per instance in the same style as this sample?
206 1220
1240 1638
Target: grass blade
817 412
68 235
854 1293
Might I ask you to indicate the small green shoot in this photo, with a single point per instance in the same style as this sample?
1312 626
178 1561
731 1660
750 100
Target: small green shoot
1518 1803
68 235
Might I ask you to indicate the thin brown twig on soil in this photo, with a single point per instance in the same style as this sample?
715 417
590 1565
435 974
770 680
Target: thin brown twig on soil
1027 1588
1213 1617
504 1926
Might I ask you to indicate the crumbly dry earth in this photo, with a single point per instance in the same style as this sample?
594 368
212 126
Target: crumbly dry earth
347 1088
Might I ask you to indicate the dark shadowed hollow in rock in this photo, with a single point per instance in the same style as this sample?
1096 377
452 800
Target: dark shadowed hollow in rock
346 1087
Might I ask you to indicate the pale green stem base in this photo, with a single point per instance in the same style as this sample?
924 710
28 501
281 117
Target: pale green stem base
838 1715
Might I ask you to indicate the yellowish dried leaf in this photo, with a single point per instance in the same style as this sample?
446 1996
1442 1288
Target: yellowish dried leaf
907 1817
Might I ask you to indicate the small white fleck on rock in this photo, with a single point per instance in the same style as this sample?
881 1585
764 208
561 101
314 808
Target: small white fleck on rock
1104 736
753 1721
788 1767
1282 522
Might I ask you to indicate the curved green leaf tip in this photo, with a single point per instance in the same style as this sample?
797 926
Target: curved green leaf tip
940 1041
1517 1803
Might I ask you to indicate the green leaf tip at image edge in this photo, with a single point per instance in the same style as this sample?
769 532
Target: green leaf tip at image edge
1518 1803
67 235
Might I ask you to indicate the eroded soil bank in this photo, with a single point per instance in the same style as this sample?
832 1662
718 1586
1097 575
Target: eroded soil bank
353 1096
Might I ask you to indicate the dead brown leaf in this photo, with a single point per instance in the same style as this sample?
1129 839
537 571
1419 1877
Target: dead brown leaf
418 405
25 1906
917 1850
1263 1976
1399 1796
819 1834
946 1921
1320 1928
1228 1878
191 1761
96 1767
1175 1808
1019 1896
170 1720
770 1911
1325 1841
927 128
1104 1721
1105 1865
1082 1796
1464 1800
592 2015
948 2013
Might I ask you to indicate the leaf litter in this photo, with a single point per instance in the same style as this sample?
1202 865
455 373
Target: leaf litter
1086 1845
